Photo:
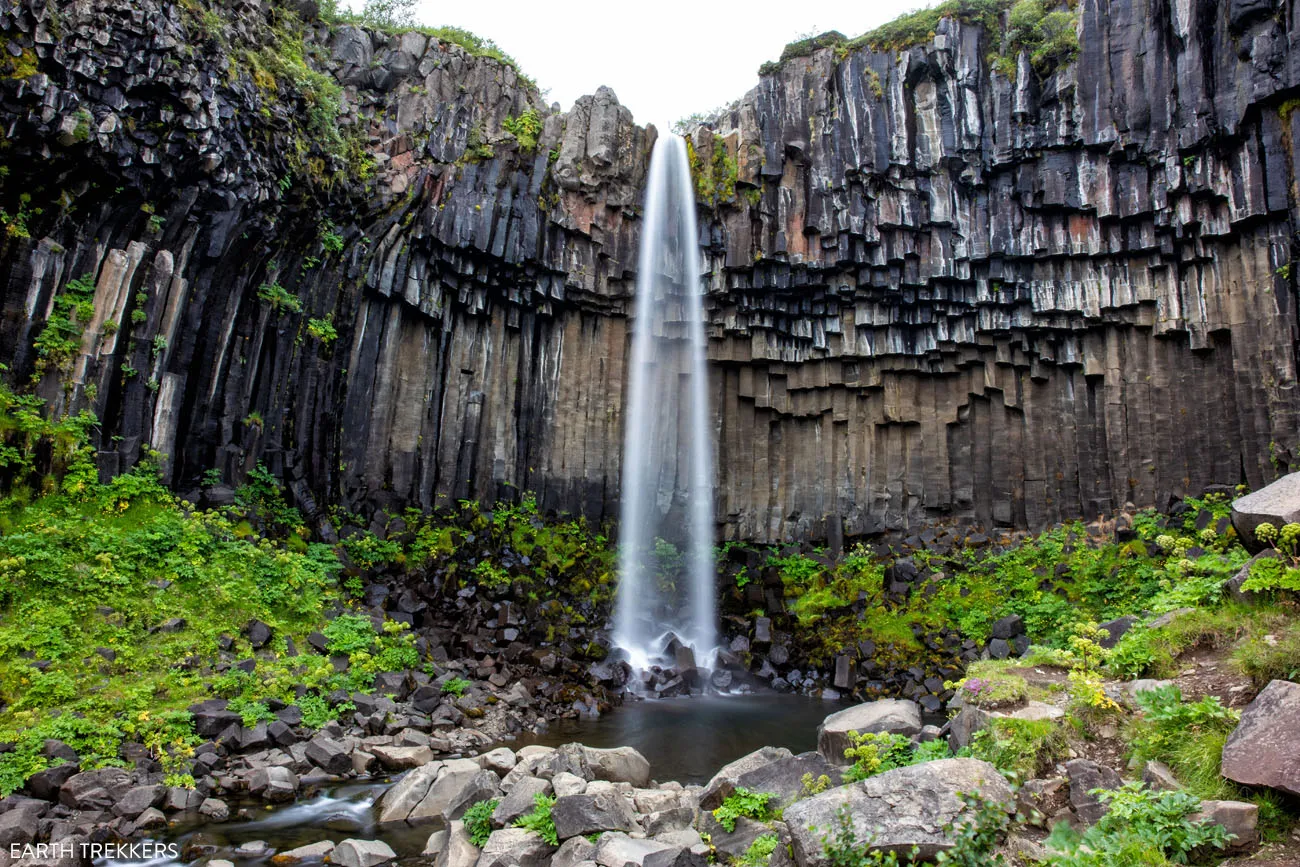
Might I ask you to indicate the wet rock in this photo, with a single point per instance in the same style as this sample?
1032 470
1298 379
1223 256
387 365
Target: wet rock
896 716
452 846
897 810
437 790
1261 751
214 810
401 758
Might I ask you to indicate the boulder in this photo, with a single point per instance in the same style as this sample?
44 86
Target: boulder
362 853
452 846
519 800
329 755
94 790
214 810
896 716
1276 504
1262 750
579 815
566 783
773 770
1234 584
618 765
1116 629
515 847
1084 777
438 790
139 799
895 810
736 842
46 784
401 758
20 821
274 784
1238 818
501 761
574 851
620 850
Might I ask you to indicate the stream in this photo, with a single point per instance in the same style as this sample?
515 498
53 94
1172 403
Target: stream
686 740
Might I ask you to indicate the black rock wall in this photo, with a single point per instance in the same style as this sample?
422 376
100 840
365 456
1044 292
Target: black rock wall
935 293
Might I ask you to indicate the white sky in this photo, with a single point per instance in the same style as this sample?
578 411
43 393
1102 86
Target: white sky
664 58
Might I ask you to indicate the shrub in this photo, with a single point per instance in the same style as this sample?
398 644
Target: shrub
478 821
526 128
875 753
348 634
323 330
369 551
280 299
743 802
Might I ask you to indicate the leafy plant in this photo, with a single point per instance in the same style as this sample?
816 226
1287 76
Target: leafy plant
348 634
743 802
1019 748
279 298
322 330
456 686
526 128
1141 826
539 820
841 846
478 821
975 832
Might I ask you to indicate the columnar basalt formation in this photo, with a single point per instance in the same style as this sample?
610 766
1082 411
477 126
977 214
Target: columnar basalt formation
935 292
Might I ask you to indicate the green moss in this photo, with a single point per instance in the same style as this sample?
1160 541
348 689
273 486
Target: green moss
19 68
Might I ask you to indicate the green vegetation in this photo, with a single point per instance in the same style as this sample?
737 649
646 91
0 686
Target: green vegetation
60 341
455 686
975 833
280 299
1020 749
1141 827
1049 37
526 129
760 851
323 330
988 685
743 802
478 821
873 754
539 820
715 180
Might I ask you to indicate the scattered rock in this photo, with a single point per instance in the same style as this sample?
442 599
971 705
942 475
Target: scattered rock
1277 504
515 847
1084 777
578 815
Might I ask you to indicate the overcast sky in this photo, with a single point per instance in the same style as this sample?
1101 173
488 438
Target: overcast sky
664 58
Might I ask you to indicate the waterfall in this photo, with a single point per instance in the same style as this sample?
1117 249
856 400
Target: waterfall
667 450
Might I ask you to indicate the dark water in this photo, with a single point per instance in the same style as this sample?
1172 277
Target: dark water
686 740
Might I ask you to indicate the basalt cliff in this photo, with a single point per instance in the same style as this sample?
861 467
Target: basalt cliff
382 266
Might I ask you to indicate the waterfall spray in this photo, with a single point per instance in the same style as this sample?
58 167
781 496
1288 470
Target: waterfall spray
667 449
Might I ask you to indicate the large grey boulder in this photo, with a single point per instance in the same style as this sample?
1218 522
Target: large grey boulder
401 758
1264 749
362 853
94 790
769 769
1276 504
1085 777
573 852
893 715
509 847
438 790
896 810
579 815
519 801
618 765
